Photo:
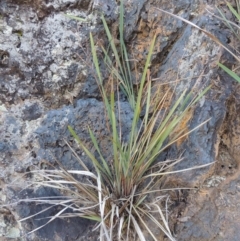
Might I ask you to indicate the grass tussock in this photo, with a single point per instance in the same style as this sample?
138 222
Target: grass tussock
116 194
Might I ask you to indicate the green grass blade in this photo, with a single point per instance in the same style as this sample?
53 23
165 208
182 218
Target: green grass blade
171 113
169 129
147 104
120 64
95 59
201 94
234 12
125 60
156 146
137 110
185 102
111 41
115 141
121 16
105 165
76 18
94 218
238 6
230 72
140 200
96 164
158 138
123 85
99 75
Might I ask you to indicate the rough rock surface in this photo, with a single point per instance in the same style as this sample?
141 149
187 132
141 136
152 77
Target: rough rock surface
47 82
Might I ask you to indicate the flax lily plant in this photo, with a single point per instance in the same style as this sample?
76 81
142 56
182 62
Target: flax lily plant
117 192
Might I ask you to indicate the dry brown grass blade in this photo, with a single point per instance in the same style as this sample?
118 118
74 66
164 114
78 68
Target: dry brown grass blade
51 219
178 171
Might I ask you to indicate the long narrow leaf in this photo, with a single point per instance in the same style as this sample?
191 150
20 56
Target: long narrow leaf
105 165
137 110
230 72
235 13
96 163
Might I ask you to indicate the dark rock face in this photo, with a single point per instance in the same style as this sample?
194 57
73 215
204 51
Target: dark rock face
32 112
87 114
47 82
59 229
194 69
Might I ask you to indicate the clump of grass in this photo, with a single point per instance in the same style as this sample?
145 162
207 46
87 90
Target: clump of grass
116 193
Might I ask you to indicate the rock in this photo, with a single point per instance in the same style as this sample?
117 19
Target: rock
69 228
